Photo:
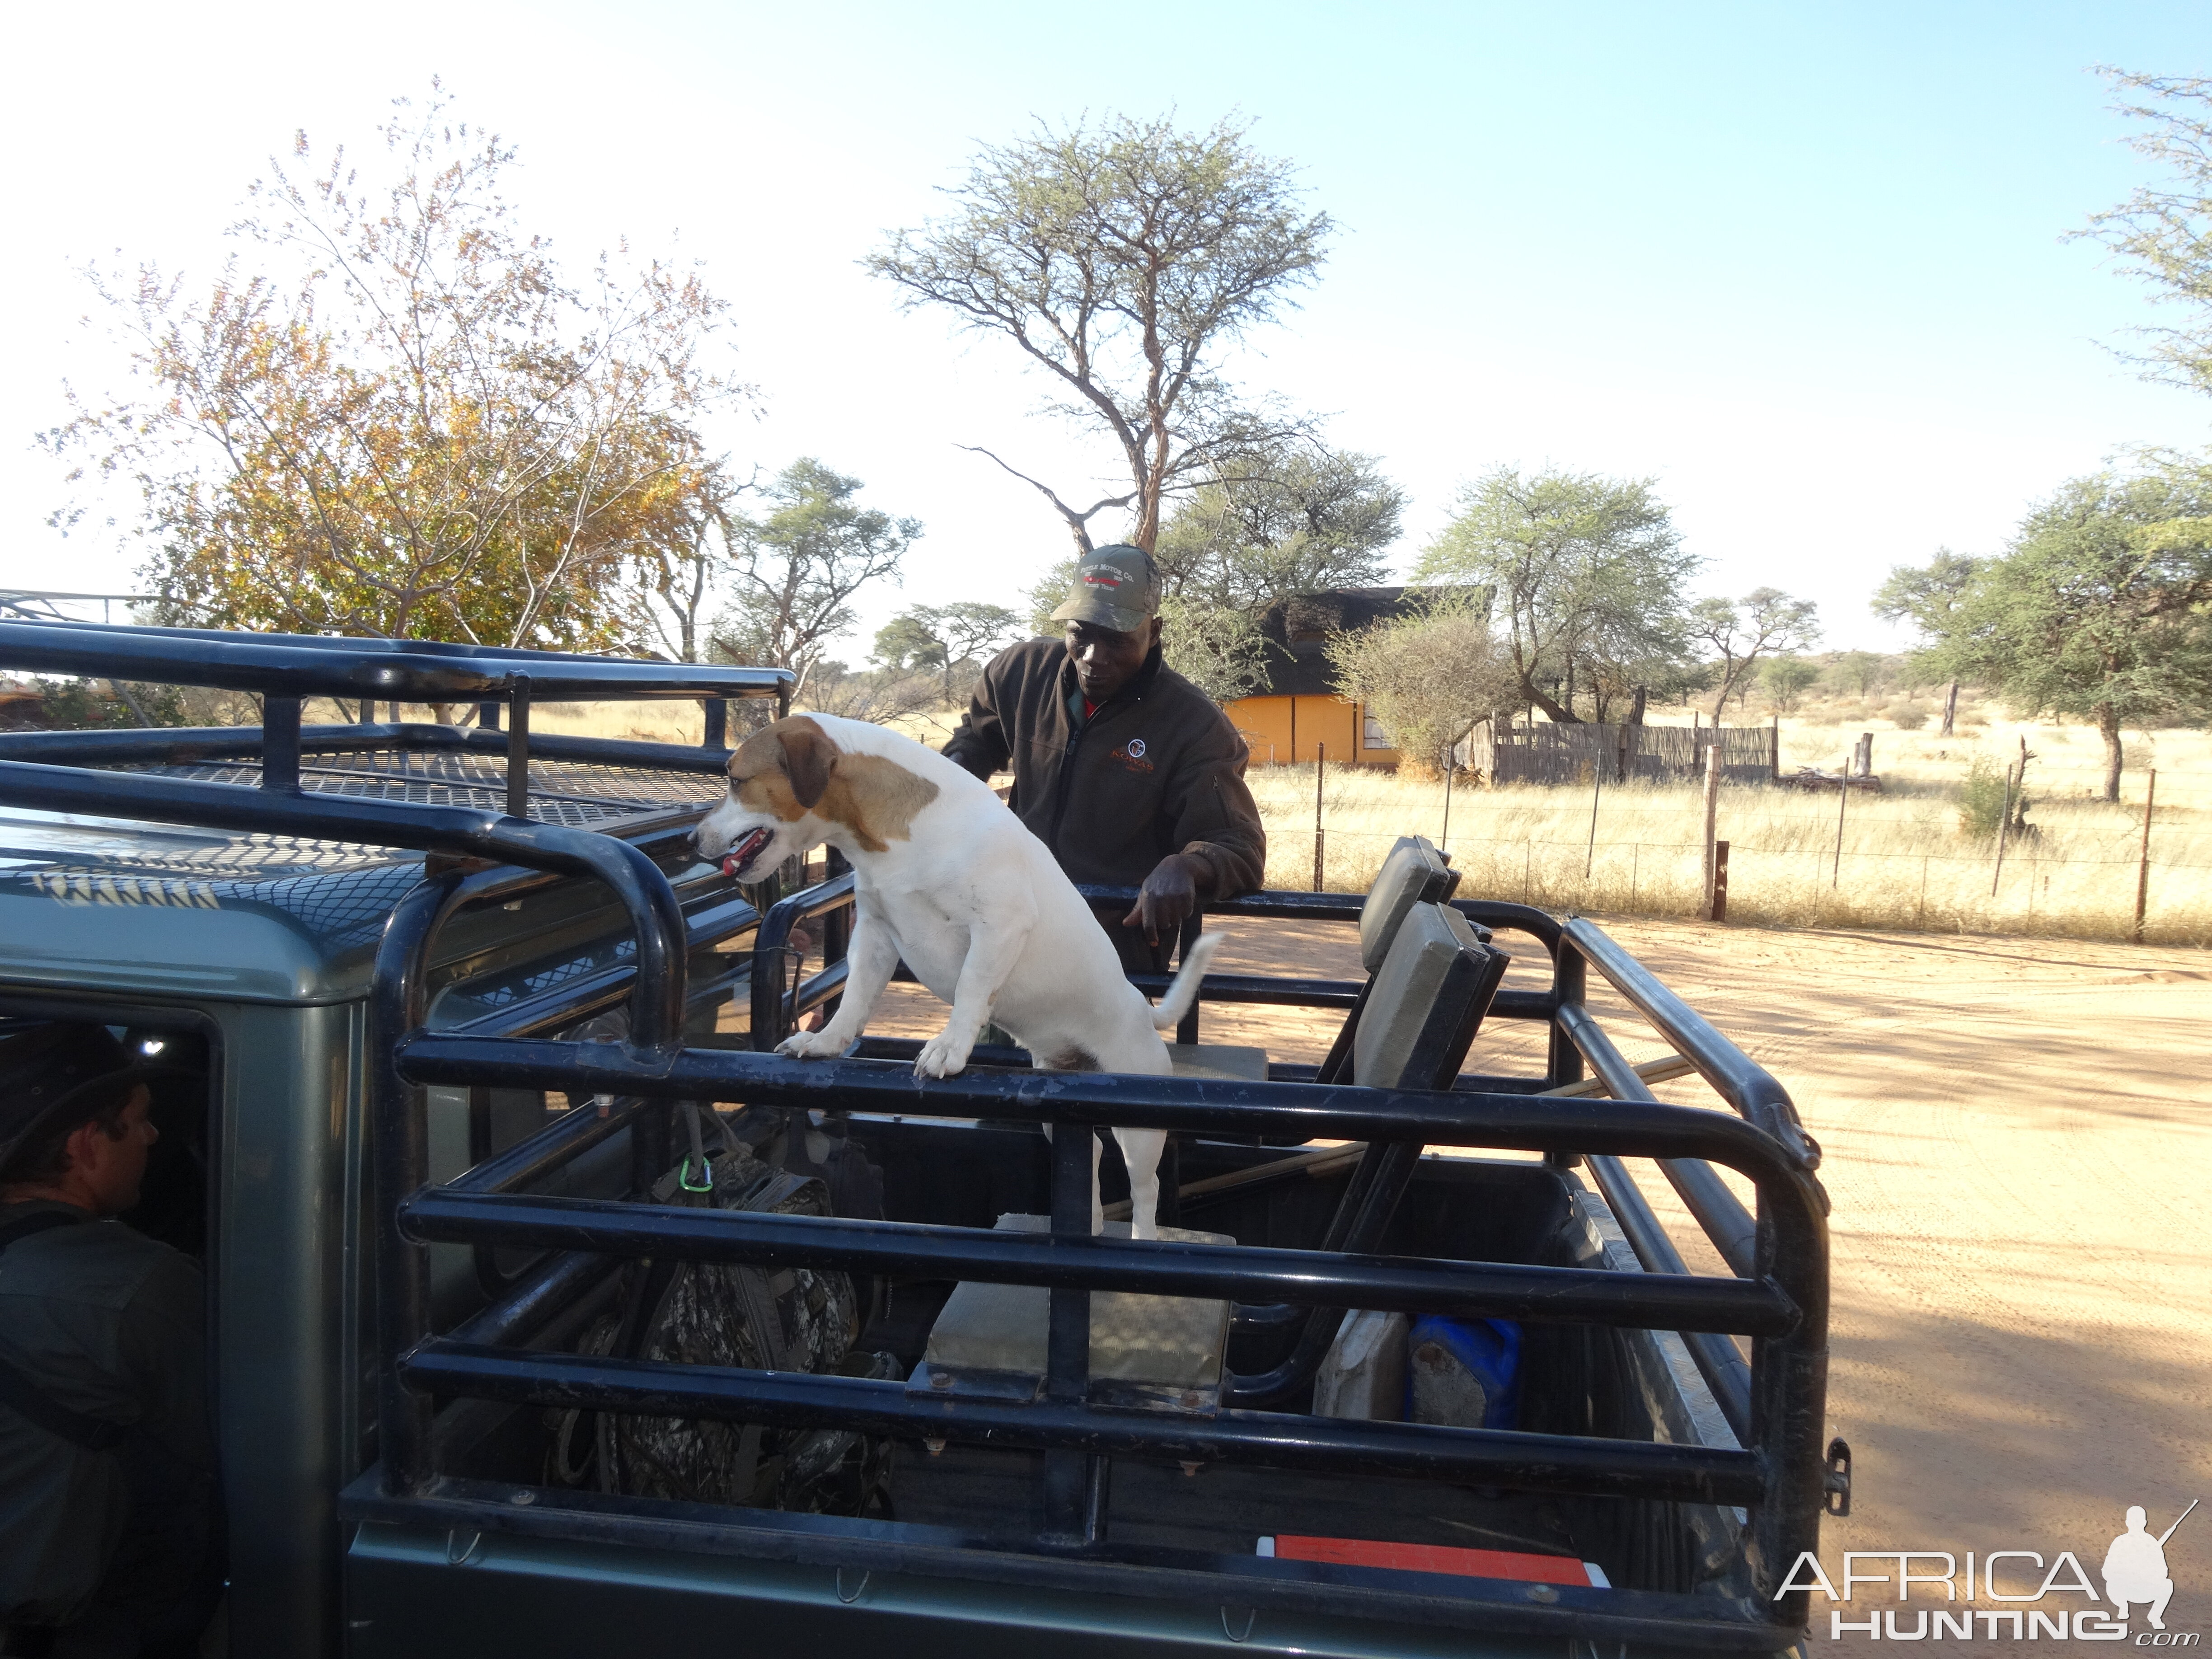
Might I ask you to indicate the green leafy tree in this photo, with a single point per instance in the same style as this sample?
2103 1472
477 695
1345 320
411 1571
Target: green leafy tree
2097 610
1786 679
72 705
1297 519
1123 260
1428 676
944 637
1764 621
1587 573
2163 233
410 423
795 571
1855 670
1926 595
907 642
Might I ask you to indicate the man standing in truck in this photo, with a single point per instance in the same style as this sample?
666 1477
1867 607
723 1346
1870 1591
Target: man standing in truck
109 1542
1124 768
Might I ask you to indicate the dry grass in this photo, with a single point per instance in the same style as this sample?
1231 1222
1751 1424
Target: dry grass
1905 863
679 721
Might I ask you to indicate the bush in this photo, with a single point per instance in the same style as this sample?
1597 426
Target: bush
1906 716
93 705
880 694
1982 800
1427 676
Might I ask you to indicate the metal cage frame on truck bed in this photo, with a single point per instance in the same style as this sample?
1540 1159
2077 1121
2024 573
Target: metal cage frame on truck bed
1777 1294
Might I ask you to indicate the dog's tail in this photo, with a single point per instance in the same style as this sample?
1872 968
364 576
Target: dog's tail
1184 992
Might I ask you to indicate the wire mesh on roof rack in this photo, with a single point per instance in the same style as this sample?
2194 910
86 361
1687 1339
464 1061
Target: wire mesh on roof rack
340 891
566 793
345 908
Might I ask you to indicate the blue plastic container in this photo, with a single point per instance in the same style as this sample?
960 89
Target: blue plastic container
1465 1372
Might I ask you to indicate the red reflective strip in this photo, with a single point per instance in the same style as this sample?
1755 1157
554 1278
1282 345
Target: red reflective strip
1433 1557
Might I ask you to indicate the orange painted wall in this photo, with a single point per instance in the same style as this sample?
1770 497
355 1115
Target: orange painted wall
1268 725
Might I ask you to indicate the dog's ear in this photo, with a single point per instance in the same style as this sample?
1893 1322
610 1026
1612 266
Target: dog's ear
808 755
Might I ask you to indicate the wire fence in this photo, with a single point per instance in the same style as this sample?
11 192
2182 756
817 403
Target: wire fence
1792 868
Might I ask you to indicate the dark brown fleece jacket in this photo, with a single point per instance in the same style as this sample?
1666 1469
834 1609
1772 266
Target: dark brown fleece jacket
1157 769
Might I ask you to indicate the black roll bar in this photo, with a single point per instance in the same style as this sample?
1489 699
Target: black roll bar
1607 1469
400 670
443 1215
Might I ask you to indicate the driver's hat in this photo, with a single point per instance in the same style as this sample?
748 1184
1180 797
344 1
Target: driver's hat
1116 587
48 1065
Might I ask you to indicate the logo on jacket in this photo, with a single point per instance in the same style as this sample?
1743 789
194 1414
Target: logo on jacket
1132 757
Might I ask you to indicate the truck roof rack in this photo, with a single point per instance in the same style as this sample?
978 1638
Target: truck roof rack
1779 1473
400 766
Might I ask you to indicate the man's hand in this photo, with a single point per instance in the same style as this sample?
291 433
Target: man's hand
1169 895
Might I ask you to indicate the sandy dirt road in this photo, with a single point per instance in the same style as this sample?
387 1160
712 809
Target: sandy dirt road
2018 1138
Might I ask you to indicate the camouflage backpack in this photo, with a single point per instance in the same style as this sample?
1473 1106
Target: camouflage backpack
757 1318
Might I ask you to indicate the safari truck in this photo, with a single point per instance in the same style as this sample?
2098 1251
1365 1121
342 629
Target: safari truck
553 1313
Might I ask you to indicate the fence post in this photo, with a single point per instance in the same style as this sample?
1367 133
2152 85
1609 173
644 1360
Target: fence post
1950 710
1444 842
1712 810
1320 762
1843 800
1597 788
2003 824
2142 869
1720 881
1774 750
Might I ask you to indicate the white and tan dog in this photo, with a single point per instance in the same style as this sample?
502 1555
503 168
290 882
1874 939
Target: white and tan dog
945 876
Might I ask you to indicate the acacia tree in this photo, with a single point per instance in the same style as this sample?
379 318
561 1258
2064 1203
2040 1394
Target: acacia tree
1123 261
2166 234
793 573
1764 623
944 636
1296 519
682 547
1786 678
418 428
2097 610
1587 573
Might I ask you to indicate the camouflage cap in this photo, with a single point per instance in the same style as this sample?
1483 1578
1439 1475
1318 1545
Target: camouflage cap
1116 587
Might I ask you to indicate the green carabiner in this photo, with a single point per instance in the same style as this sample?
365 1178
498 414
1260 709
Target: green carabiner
683 1176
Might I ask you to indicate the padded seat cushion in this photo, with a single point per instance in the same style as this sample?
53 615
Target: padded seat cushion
1219 1060
1429 978
1168 1341
1413 872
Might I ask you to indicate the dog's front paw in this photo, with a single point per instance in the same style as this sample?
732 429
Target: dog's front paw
943 1056
810 1045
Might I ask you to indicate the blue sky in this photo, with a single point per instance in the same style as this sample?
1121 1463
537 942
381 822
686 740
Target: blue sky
1803 266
